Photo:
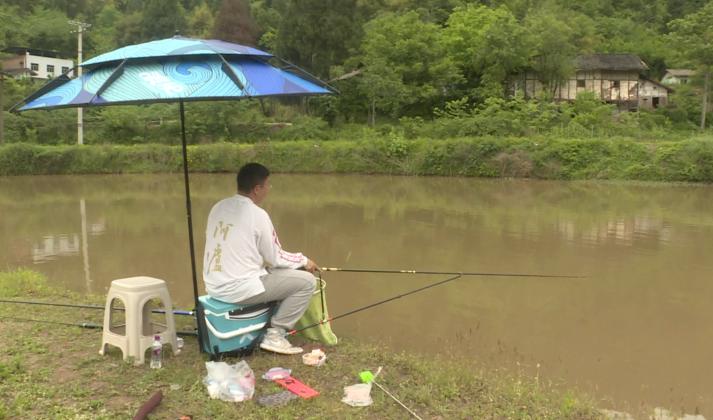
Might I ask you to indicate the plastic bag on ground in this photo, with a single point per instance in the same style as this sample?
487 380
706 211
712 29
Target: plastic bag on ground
358 395
230 382
315 358
276 400
277 373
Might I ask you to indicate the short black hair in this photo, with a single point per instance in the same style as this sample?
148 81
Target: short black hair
251 175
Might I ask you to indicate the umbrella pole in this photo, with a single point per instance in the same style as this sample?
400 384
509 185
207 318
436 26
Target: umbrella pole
190 220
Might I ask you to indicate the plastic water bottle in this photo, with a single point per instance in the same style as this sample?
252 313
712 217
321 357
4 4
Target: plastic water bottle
156 348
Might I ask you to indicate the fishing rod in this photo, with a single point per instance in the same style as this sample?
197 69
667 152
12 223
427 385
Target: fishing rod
68 305
363 308
362 270
87 325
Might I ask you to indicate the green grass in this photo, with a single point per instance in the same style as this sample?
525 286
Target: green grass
50 371
544 157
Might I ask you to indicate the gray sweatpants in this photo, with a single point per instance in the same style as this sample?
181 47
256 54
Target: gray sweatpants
292 289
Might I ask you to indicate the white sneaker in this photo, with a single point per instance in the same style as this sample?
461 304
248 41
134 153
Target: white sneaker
275 341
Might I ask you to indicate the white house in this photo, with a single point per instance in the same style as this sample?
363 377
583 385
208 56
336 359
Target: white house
652 94
677 76
613 78
34 63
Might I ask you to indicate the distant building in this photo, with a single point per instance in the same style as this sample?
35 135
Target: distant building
678 76
37 64
614 78
652 94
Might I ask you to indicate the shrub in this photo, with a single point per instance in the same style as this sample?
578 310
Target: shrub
515 163
540 157
304 128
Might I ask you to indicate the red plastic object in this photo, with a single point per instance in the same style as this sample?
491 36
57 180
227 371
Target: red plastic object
296 387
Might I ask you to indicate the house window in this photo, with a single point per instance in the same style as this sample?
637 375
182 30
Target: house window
34 67
580 83
615 84
50 68
65 70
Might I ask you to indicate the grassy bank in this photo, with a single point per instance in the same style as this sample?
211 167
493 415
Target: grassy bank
53 371
688 160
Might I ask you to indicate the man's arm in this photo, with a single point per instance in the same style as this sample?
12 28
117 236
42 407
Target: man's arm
271 250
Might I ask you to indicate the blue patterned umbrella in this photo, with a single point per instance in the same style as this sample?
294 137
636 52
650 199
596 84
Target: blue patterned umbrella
179 70
175 70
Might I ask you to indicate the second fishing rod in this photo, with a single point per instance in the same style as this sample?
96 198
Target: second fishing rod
449 273
454 276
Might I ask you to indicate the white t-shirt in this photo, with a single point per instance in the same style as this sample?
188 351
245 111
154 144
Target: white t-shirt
240 243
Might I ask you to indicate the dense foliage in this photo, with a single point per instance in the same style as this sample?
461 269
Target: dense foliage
689 160
429 68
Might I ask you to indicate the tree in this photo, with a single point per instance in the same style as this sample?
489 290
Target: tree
50 31
433 11
693 36
103 35
488 45
9 35
73 8
268 17
624 35
12 31
129 6
652 13
201 21
405 66
553 48
318 34
679 8
235 23
129 30
161 19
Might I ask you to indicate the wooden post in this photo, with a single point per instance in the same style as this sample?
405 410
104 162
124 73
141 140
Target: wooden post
704 106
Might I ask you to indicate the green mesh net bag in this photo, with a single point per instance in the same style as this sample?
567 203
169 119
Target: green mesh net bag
317 313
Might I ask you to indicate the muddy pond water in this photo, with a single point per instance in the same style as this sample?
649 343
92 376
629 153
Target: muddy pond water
637 330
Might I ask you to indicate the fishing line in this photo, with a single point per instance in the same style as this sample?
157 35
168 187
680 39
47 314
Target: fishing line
68 305
361 270
363 308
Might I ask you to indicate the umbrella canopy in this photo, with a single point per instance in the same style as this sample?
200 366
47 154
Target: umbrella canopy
176 69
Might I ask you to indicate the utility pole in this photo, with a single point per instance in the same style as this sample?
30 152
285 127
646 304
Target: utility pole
81 27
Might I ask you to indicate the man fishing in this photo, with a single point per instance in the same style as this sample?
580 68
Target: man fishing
244 262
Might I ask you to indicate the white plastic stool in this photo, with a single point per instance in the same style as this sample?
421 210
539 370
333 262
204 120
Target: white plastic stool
138 331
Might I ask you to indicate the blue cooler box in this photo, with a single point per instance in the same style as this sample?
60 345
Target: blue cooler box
230 327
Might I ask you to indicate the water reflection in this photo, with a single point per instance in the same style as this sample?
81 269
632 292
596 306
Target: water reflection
637 329
621 231
54 246
51 247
